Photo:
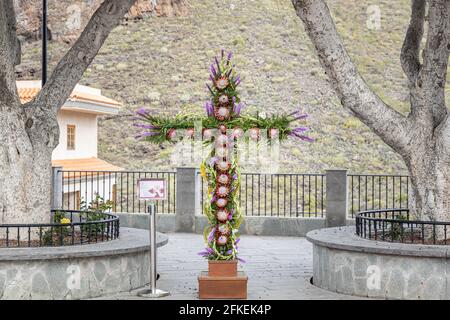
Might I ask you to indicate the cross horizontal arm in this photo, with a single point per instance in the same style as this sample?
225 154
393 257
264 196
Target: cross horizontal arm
159 129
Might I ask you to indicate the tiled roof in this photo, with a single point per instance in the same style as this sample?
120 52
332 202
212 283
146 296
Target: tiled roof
76 168
27 94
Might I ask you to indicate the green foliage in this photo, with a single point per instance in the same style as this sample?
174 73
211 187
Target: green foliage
245 122
94 211
56 234
397 232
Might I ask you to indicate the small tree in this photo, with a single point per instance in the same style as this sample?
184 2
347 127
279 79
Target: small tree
423 137
29 132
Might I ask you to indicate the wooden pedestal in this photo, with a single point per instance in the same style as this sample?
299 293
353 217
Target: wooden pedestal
222 287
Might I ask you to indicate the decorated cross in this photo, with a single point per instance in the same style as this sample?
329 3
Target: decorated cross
222 128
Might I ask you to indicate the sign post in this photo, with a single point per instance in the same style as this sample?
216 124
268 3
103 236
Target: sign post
152 190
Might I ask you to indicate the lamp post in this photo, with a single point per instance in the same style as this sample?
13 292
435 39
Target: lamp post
44 42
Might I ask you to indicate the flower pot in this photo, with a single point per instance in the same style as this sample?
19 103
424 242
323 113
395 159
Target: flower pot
222 268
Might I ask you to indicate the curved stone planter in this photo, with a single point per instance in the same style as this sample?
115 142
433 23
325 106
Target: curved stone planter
76 272
347 264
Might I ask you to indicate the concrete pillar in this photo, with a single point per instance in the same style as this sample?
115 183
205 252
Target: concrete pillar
336 203
186 200
57 188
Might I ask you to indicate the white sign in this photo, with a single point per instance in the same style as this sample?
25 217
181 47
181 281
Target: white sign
152 189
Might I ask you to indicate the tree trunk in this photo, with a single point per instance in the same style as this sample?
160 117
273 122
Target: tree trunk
30 132
423 137
429 171
25 166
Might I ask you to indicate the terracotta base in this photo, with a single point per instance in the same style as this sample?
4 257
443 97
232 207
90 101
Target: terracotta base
222 268
222 287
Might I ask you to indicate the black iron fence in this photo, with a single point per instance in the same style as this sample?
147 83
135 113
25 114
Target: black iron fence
396 225
69 228
115 189
372 191
283 195
280 195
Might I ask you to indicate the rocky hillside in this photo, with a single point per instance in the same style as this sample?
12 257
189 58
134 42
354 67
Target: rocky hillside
162 64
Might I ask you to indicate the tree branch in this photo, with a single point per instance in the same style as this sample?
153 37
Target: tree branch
10 53
70 69
411 45
432 76
388 124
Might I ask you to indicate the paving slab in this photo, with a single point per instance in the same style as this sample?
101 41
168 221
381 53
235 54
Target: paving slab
277 267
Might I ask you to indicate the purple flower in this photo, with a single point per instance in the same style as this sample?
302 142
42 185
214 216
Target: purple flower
237 241
238 108
145 126
230 54
300 129
229 72
211 235
229 252
300 117
230 215
222 52
212 161
148 134
209 109
217 63
235 176
242 260
213 199
213 70
306 138
206 252
301 136
142 112
211 78
237 81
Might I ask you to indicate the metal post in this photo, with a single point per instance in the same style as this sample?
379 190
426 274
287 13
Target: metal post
44 42
153 292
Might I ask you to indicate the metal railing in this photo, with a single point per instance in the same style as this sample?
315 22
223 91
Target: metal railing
394 225
280 195
117 187
372 191
82 227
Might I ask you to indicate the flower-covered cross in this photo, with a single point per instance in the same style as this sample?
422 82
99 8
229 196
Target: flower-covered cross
222 128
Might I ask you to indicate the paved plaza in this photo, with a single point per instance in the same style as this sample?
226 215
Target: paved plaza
277 267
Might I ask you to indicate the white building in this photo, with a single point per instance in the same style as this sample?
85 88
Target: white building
84 174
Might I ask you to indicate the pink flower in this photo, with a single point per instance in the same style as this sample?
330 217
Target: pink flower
171 134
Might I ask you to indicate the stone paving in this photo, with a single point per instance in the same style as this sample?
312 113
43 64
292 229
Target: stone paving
277 267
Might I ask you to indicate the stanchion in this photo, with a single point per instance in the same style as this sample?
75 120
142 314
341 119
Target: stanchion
153 292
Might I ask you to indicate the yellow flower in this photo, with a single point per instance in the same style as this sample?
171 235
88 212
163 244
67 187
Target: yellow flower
65 221
203 171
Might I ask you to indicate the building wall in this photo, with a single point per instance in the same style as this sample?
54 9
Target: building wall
85 135
86 189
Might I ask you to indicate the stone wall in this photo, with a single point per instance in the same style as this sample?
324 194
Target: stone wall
265 226
73 278
345 263
77 272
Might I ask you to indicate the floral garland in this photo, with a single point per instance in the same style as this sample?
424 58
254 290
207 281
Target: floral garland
221 170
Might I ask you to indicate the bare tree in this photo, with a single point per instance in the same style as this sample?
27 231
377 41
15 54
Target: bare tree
423 137
29 132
